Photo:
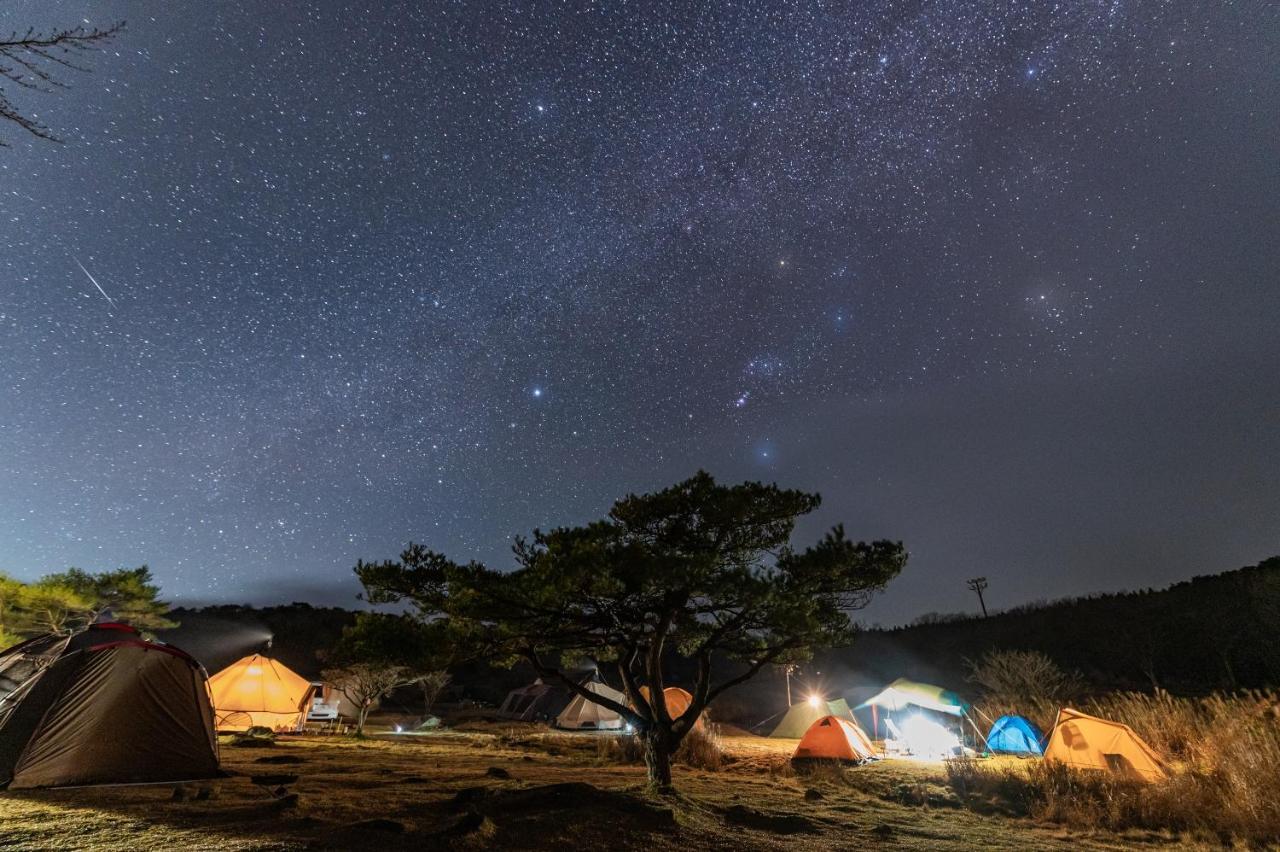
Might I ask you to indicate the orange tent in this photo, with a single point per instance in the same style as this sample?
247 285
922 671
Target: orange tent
678 701
1087 742
257 691
833 738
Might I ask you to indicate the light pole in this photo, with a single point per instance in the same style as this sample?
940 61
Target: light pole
977 584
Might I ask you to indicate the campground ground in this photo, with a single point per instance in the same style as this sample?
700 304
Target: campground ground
523 787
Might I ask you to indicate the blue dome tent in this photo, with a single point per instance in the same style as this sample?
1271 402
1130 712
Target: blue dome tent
1015 735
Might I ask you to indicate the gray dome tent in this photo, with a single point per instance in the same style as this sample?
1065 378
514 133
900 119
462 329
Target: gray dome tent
103 706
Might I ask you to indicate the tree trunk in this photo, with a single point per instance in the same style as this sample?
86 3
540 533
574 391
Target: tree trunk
361 715
657 756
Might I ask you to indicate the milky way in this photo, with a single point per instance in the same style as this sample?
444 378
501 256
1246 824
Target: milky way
997 279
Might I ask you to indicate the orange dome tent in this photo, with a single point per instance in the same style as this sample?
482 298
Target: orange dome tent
1087 742
833 738
258 691
677 700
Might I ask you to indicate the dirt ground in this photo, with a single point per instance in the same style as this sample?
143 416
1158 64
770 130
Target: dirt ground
522 787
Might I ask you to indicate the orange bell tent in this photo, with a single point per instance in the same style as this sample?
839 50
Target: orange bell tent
258 691
1087 742
833 738
678 701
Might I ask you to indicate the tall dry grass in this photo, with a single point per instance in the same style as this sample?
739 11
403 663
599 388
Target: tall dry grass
701 748
1223 751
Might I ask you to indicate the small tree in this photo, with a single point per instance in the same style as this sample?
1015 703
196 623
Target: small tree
700 571
432 684
405 650
1022 678
364 684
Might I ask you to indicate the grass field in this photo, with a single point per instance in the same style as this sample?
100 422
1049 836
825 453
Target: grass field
522 787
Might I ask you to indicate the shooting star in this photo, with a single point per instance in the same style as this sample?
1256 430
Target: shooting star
110 301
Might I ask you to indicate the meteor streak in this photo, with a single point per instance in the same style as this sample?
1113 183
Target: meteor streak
110 300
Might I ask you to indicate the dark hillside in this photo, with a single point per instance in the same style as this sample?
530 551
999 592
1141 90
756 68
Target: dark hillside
1211 632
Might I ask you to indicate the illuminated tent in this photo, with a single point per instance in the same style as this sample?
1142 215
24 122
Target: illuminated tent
800 717
1087 742
103 706
677 701
257 691
834 738
583 715
903 694
1015 735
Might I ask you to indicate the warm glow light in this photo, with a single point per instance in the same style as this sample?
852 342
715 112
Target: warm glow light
254 670
814 701
926 738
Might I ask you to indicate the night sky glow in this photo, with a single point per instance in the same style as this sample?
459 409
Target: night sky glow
309 280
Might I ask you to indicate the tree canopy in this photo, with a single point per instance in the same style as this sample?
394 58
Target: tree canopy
380 653
68 600
698 570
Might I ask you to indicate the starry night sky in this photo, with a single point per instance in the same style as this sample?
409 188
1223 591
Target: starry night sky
996 278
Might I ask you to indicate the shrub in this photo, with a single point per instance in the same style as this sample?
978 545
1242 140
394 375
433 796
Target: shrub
1023 677
701 748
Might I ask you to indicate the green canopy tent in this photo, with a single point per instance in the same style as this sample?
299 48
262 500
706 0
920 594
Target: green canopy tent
905 694
801 716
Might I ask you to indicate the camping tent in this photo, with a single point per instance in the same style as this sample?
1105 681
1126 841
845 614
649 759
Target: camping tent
677 701
1087 742
903 693
1015 735
583 715
257 691
834 738
800 717
103 706
542 701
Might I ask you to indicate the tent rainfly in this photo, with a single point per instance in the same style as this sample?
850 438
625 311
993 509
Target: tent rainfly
257 691
542 701
1087 742
677 701
834 738
103 706
1015 735
903 693
583 715
800 717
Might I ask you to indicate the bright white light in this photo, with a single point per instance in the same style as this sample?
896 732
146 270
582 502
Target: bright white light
628 729
814 701
927 739
399 730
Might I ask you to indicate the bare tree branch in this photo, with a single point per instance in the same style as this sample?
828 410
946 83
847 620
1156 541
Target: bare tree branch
25 61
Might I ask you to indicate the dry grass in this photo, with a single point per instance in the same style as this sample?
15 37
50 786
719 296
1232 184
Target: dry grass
523 787
701 748
1225 783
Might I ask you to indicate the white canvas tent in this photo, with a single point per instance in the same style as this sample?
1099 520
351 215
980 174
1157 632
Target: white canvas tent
583 715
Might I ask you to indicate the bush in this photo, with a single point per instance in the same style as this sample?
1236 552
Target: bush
1023 678
701 748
